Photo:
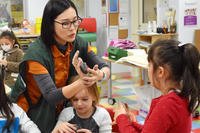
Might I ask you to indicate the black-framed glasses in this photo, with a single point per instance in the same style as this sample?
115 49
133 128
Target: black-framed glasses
68 24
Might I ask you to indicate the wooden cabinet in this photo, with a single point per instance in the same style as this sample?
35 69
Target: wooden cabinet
151 38
196 38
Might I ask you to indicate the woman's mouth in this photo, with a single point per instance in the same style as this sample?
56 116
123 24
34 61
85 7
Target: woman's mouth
72 35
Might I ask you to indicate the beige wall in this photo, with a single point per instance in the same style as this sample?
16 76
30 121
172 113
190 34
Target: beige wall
135 18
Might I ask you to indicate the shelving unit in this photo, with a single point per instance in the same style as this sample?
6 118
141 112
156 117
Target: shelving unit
151 38
25 40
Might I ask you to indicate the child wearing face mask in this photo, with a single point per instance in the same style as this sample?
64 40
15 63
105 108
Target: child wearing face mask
85 116
10 56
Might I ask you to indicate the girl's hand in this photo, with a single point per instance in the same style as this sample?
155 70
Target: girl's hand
123 109
83 131
120 109
64 127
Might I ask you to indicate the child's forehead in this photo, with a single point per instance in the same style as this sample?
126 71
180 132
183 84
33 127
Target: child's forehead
6 38
82 93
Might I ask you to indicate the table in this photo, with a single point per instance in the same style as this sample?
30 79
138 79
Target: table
143 78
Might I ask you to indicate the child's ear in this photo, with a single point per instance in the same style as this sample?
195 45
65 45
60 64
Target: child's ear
161 72
13 42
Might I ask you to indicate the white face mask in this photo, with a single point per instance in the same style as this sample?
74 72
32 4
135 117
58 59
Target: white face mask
6 47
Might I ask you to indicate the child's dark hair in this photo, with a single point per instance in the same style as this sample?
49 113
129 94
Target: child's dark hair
183 63
5 105
93 90
11 36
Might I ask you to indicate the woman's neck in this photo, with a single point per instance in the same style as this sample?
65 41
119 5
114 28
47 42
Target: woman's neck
60 41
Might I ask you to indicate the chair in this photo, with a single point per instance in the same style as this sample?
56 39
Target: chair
89 25
87 31
14 128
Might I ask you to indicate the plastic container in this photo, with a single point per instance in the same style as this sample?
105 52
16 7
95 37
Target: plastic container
149 27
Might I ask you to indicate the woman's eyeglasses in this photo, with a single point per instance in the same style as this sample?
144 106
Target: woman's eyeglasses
68 24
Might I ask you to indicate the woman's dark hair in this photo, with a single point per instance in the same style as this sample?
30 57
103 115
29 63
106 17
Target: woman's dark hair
52 9
183 62
5 105
11 36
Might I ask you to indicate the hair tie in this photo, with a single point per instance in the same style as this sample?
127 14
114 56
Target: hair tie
181 44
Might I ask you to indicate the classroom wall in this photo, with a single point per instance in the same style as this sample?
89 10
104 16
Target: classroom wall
185 33
94 10
34 9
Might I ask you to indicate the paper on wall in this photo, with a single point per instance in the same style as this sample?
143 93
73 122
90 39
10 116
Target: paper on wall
113 32
123 21
124 6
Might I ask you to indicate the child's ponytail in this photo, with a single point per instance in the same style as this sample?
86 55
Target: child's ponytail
191 75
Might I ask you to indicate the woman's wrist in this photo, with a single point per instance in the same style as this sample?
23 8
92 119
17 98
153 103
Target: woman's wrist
103 77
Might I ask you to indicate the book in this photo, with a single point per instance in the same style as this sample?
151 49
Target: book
136 57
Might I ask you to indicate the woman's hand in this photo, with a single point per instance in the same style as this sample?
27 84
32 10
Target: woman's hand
93 75
76 61
64 127
83 131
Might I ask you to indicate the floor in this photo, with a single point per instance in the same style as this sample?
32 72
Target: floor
125 88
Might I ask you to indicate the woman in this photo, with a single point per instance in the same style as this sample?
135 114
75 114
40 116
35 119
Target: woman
42 87
174 70
11 56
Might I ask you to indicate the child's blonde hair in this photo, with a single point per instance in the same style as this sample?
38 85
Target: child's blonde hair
93 90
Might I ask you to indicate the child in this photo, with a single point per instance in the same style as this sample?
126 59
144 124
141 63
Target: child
12 118
11 56
85 116
174 70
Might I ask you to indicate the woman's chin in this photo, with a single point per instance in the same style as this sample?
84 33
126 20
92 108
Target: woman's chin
70 39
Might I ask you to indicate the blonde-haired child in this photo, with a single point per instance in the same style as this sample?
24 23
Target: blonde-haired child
85 116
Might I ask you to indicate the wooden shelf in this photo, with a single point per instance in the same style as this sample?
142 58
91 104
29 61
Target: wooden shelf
151 38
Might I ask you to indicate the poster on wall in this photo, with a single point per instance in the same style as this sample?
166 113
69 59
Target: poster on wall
190 13
124 6
113 6
103 6
11 11
123 21
113 32
5 15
